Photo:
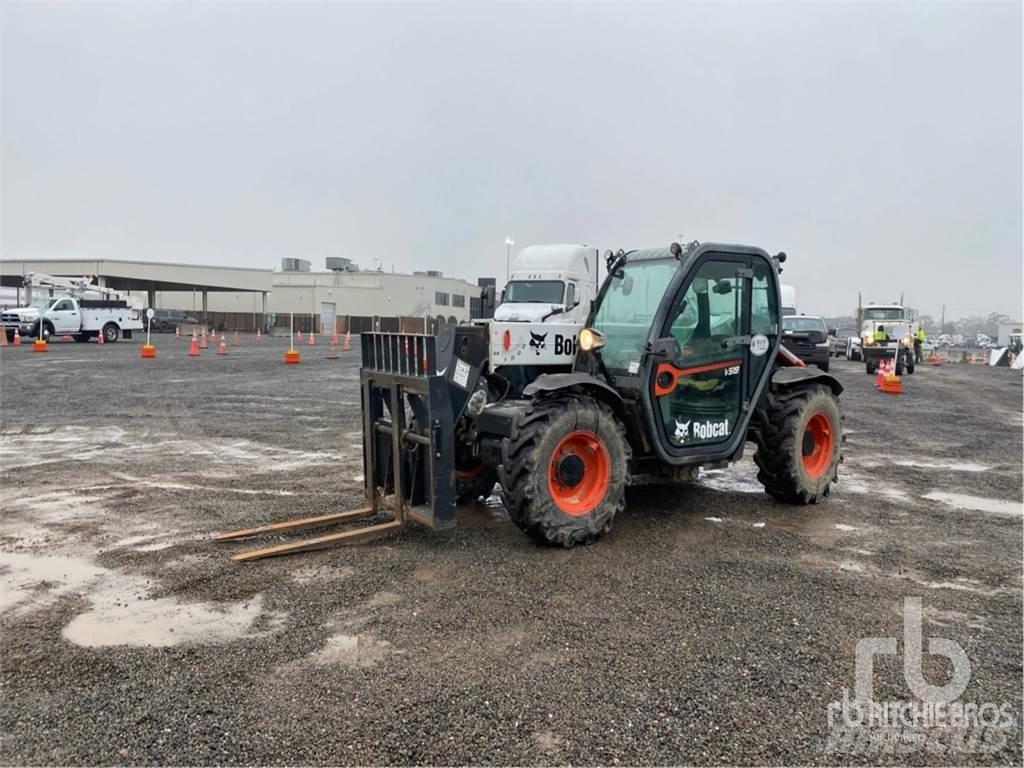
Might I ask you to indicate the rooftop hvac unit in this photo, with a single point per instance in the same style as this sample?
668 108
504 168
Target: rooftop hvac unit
434 273
339 264
295 265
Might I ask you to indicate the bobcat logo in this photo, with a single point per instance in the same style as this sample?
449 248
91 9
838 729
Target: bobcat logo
538 341
682 430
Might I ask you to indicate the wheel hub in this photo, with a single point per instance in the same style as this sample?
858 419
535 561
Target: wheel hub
570 470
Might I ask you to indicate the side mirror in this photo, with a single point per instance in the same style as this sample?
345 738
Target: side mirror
570 296
487 296
667 347
833 331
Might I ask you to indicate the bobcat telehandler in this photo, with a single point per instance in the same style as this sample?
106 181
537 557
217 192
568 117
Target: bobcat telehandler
679 365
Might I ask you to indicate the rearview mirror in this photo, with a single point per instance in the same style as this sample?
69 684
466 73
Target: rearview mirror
627 285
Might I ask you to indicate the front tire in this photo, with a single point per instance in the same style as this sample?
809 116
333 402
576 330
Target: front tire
563 471
799 444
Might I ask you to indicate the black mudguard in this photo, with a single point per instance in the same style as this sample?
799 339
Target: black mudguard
554 382
791 376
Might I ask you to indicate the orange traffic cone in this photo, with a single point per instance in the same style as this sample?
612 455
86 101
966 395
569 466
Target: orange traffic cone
880 374
213 334
177 331
234 339
346 347
298 336
223 348
202 340
17 338
259 336
332 348
193 348
99 337
334 337
312 339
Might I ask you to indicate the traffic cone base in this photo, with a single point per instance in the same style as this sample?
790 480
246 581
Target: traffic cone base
148 350
291 357
892 385
39 345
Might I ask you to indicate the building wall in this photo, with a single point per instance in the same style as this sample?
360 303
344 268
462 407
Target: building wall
353 293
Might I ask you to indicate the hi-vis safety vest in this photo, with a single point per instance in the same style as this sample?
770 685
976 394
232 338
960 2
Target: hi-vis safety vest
920 334
879 334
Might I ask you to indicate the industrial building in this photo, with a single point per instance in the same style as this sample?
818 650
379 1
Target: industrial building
342 296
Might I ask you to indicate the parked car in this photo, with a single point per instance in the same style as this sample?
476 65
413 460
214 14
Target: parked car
806 337
839 341
166 320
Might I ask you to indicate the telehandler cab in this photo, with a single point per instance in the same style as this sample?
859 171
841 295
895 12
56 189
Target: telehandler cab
679 365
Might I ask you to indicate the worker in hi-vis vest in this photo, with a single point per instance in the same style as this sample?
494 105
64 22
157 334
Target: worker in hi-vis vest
918 343
880 334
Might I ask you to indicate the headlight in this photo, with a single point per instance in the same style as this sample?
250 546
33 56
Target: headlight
868 340
591 339
906 341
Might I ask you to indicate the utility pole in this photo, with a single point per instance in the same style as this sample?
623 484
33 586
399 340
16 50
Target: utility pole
942 326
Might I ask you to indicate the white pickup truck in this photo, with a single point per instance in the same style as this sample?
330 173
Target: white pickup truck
80 318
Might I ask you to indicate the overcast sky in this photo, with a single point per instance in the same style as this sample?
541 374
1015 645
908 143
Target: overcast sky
878 144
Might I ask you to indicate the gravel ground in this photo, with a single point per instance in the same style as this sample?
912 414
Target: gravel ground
713 625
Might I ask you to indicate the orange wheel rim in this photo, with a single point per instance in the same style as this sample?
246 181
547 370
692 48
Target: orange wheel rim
817 444
579 472
471 471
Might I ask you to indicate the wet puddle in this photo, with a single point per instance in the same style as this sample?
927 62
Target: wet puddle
977 503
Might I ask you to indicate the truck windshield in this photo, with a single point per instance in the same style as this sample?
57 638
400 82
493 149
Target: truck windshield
534 292
883 313
803 324
627 309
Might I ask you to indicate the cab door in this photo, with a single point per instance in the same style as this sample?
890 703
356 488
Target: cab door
704 375
64 316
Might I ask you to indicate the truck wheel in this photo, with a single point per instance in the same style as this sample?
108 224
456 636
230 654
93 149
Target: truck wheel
110 333
799 444
48 330
910 363
563 471
870 367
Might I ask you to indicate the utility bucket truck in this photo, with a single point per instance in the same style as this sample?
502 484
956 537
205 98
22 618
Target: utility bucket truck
680 363
73 313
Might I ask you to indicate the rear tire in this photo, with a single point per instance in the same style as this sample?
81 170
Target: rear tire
563 471
471 485
870 367
110 332
799 440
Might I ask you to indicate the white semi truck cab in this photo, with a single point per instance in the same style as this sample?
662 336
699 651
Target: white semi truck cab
900 324
544 306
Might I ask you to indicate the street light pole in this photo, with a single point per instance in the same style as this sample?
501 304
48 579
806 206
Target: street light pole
509 242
